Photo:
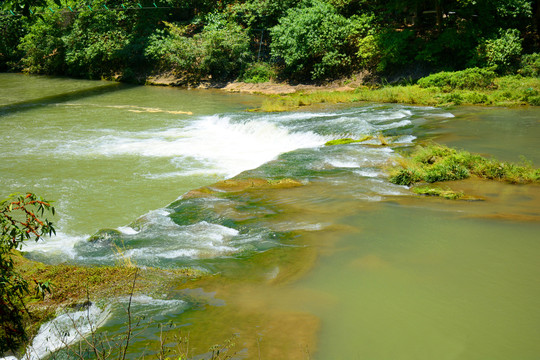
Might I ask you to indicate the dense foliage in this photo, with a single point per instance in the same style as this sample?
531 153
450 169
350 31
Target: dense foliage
472 78
219 51
307 40
21 219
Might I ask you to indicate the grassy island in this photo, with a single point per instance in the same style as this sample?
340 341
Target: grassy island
435 163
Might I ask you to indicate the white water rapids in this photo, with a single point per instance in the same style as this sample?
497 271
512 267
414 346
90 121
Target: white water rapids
209 147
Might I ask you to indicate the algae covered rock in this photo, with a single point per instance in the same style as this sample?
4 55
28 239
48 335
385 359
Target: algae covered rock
237 185
435 191
347 141
105 236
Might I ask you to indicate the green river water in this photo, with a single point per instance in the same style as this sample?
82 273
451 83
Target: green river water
347 266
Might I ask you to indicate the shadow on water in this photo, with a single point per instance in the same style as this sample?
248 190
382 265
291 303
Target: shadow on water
63 97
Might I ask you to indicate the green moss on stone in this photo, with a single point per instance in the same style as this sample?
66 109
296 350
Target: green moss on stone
348 141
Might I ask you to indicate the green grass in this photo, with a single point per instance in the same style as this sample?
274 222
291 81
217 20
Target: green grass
434 191
514 90
435 163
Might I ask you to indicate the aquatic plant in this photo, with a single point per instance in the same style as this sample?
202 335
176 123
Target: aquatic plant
435 191
434 163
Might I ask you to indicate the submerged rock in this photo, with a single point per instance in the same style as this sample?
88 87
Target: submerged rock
237 185
105 236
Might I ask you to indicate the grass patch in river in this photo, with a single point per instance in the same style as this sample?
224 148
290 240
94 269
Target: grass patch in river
435 163
443 193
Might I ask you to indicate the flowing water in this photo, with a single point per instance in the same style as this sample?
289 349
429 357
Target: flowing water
339 265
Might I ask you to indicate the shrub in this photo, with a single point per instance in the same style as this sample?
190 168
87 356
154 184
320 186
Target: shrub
476 98
314 41
530 65
94 46
396 48
455 98
43 47
12 29
258 73
502 52
220 51
473 78
449 49
225 50
21 219
174 50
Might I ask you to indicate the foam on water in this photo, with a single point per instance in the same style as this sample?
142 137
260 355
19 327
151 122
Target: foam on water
144 305
227 145
59 245
237 146
196 241
128 230
64 330
176 242
69 328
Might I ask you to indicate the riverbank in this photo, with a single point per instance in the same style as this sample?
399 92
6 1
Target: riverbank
264 88
515 90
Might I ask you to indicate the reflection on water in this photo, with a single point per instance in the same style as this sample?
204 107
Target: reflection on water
336 264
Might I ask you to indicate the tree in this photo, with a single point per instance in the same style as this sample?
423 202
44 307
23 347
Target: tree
24 6
314 41
21 219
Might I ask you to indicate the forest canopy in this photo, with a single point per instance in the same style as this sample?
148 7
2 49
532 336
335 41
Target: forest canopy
308 40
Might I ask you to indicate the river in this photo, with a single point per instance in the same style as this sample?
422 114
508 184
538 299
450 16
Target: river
345 266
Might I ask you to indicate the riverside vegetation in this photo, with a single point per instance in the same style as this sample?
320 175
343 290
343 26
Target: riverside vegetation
493 46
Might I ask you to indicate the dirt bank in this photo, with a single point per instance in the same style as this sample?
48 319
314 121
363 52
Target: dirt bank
268 88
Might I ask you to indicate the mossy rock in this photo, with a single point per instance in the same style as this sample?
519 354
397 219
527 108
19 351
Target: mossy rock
105 236
434 191
347 141
237 185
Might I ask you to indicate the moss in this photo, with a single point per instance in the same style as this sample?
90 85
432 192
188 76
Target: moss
434 163
105 235
434 191
237 185
348 141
